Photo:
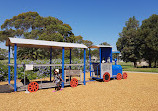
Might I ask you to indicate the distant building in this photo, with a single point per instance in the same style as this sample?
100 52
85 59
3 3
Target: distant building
142 63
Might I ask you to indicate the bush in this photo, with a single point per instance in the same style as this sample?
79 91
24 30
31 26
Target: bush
3 72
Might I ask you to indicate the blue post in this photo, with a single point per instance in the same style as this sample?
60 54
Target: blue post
9 65
15 65
70 58
111 56
50 63
100 61
115 61
84 80
63 67
90 60
97 71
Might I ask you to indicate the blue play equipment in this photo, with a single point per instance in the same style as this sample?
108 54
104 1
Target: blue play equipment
104 69
98 70
66 73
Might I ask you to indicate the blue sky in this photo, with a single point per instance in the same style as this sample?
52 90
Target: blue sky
95 20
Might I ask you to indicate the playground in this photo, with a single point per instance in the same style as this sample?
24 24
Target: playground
79 56
137 92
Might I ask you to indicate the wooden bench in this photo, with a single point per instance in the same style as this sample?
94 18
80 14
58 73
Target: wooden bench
72 73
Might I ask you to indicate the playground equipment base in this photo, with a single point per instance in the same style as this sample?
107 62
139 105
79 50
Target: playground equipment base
43 85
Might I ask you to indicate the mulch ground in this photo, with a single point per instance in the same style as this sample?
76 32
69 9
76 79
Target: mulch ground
139 92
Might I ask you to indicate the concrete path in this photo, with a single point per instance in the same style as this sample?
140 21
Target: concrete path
141 72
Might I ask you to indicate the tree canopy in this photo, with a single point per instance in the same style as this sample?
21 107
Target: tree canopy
148 36
105 43
31 25
127 43
136 43
3 54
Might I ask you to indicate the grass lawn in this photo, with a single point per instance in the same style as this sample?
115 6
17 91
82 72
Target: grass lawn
129 67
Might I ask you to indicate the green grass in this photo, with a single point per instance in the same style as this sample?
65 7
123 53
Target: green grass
129 67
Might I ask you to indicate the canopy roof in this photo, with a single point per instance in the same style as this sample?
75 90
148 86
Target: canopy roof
41 43
116 52
100 46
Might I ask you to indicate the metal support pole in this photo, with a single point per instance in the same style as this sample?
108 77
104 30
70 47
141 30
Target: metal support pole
84 81
70 58
90 61
9 65
63 67
100 61
97 71
15 65
50 63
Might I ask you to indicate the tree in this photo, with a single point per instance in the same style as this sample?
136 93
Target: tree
127 44
148 35
95 53
78 39
88 43
104 43
3 54
31 25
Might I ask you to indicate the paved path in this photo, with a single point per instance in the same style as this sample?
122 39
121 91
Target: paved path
141 72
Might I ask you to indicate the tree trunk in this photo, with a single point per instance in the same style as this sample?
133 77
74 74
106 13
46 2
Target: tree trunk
149 63
135 64
155 64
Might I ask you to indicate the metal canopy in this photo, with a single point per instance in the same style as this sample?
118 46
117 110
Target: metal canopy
100 46
42 43
116 52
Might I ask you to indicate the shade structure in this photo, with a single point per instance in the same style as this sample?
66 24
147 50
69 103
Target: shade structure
19 42
100 46
117 52
41 43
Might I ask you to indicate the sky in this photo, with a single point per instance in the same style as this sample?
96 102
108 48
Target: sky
95 20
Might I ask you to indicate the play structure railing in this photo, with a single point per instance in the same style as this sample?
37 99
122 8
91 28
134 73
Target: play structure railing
21 65
68 74
95 68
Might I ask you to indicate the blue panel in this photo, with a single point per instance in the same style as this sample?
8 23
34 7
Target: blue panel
100 54
116 69
84 81
63 67
50 63
15 66
9 65
106 52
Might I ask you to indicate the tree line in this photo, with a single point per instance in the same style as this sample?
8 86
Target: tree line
137 42
31 25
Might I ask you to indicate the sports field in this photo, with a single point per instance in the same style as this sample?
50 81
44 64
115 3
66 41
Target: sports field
139 92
